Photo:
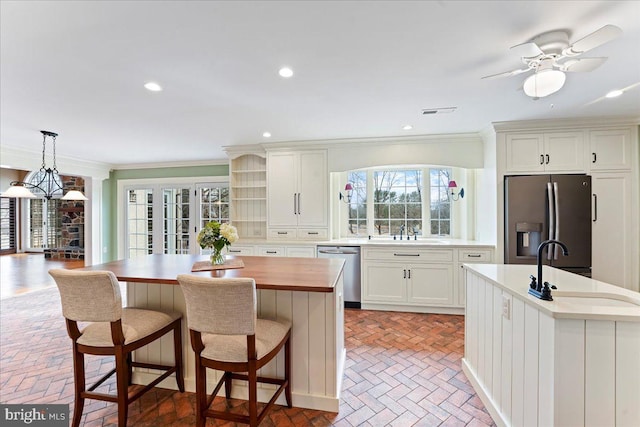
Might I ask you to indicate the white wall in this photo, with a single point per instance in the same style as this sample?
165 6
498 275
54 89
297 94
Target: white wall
486 190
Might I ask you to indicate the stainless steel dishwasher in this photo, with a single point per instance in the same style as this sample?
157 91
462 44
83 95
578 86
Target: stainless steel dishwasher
351 254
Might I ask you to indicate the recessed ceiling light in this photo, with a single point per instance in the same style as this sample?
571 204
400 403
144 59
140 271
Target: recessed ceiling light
267 134
153 86
407 127
614 93
285 72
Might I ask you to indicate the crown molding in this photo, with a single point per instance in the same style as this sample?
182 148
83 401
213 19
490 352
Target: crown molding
190 163
585 122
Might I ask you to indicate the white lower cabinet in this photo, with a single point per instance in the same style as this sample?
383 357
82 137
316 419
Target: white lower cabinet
408 279
298 251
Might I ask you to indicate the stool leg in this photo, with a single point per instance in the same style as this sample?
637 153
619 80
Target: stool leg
201 392
287 370
177 344
79 379
253 394
227 384
122 385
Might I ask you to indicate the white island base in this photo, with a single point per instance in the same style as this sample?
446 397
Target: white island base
317 343
558 363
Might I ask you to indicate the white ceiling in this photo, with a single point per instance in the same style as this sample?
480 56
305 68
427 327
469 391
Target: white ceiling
362 69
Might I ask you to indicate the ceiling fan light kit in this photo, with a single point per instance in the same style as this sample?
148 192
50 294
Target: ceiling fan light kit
550 55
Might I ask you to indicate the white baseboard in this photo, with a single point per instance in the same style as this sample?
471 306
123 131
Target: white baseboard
239 391
413 308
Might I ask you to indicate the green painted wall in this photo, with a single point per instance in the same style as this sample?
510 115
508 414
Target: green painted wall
110 194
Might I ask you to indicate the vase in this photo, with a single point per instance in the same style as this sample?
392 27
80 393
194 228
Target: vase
216 257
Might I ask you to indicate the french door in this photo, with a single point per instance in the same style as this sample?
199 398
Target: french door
45 228
165 218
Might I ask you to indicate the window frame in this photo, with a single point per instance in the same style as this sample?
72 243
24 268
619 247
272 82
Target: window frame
425 189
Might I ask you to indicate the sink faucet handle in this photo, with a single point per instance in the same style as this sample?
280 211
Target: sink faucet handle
533 284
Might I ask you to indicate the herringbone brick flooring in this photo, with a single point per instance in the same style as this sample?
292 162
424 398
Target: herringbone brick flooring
402 370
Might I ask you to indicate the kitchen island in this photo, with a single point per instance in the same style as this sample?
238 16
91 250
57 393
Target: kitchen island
573 361
305 291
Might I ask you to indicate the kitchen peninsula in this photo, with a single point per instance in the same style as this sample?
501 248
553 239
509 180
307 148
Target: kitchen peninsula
305 291
571 361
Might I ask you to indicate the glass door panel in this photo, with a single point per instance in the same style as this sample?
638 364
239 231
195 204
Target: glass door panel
176 220
139 222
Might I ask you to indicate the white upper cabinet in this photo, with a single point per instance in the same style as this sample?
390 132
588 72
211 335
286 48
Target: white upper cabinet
297 189
545 152
610 149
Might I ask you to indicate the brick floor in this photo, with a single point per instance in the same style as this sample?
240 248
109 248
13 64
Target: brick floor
402 369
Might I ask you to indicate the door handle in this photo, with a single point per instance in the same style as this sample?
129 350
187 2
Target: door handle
541 159
406 254
295 205
473 255
595 207
299 205
409 275
595 158
547 156
405 273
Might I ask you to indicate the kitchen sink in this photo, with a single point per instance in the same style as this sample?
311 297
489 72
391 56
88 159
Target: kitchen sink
593 300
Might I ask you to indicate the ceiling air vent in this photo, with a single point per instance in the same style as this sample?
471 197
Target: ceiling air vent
428 111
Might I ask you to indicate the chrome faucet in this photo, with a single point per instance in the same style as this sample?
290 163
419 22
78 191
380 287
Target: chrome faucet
537 288
401 231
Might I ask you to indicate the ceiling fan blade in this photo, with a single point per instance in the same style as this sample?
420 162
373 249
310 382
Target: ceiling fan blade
578 65
527 50
507 73
593 40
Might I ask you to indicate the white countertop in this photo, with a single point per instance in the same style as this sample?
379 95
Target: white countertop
437 242
430 242
577 297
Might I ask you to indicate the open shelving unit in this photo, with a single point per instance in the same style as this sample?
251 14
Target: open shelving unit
249 195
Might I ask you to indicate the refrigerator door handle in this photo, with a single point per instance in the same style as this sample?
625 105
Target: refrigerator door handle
595 207
556 195
552 217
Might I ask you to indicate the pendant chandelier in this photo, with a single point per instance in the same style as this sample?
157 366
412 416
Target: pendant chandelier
44 182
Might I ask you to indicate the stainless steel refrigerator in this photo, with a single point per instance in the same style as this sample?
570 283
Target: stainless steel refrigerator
541 207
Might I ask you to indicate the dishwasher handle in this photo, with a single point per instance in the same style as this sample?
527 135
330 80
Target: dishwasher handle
337 252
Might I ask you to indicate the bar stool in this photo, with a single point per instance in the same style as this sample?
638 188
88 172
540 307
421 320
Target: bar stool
94 296
227 335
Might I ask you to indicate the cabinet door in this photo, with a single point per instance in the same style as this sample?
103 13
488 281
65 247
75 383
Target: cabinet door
282 171
385 283
611 241
564 151
610 149
430 284
524 153
301 251
312 190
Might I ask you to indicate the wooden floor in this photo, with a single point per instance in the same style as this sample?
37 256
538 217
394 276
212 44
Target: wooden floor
26 272
402 369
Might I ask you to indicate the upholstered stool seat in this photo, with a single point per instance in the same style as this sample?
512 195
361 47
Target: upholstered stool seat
137 323
233 348
226 335
94 297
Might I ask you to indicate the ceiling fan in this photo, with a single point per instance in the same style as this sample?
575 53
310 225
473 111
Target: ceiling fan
550 55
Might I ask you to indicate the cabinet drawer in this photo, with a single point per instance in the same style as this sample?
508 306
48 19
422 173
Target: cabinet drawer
474 255
312 233
409 255
282 233
301 251
270 251
240 250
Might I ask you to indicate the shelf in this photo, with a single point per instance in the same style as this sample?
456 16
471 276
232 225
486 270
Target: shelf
250 171
246 199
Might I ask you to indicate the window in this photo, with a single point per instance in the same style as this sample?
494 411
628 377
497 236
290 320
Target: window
397 197
358 203
139 222
45 224
440 209
7 225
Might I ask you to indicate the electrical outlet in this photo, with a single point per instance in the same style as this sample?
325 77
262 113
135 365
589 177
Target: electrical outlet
506 307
